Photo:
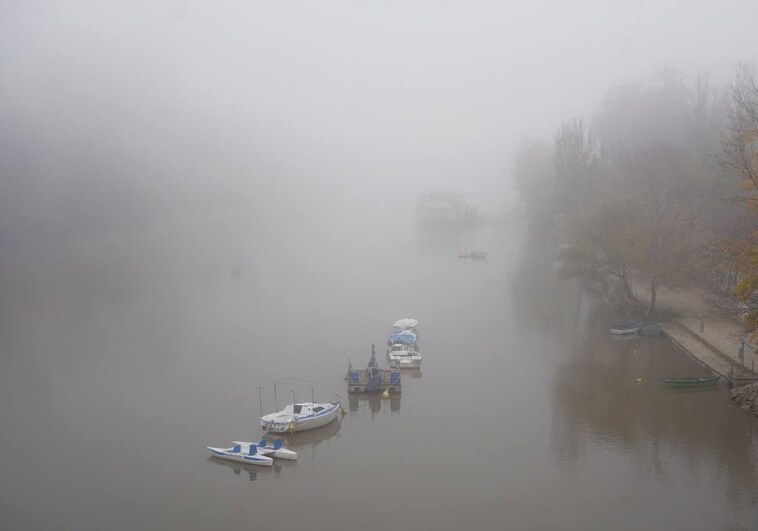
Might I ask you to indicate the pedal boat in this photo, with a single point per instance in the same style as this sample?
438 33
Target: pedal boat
274 450
235 453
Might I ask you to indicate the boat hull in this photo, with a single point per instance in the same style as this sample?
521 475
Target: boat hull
270 451
624 331
291 423
690 382
650 330
239 457
403 362
631 327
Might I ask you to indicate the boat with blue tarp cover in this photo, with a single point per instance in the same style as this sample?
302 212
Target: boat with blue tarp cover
402 345
404 337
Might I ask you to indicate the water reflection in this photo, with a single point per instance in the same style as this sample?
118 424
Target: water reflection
625 337
308 438
252 471
374 403
606 394
413 373
605 398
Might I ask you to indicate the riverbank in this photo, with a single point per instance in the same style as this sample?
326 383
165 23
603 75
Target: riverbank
706 327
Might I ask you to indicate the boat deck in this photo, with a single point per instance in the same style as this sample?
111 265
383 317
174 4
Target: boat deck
358 381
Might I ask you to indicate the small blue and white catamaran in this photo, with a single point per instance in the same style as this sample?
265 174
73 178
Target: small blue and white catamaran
261 453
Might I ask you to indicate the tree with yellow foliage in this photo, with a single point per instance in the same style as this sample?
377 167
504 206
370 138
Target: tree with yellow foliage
740 154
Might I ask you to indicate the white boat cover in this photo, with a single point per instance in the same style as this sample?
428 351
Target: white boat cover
406 323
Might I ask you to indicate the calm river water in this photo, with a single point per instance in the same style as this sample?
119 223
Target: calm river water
124 356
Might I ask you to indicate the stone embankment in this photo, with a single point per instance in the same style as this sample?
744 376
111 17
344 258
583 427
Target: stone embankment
747 398
713 338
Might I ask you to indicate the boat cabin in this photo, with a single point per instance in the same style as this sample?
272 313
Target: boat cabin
401 349
303 409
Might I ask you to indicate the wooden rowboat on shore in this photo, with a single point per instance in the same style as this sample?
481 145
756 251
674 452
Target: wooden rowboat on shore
690 381
650 330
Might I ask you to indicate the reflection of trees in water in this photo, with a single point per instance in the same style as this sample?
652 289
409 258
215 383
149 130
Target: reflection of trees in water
543 301
598 402
374 403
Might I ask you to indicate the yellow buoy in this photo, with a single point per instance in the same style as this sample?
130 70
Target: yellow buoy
386 393
638 380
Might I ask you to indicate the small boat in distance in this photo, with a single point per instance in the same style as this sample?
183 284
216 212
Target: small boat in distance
473 255
690 381
630 327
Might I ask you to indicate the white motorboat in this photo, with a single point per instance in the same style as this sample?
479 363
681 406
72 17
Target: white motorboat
274 449
403 356
301 416
249 455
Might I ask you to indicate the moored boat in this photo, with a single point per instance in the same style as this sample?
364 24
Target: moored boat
373 379
249 456
301 416
274 449
473 255
650 330
690 381
403 356
630 327
404 337
406 324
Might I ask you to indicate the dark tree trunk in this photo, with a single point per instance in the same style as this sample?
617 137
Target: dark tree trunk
627 283
653 292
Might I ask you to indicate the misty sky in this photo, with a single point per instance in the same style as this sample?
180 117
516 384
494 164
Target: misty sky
352 95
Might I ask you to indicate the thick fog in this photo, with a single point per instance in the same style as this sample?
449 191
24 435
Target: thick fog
116 112
200 198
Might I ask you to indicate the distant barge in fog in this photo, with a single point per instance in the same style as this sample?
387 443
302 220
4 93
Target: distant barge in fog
445 209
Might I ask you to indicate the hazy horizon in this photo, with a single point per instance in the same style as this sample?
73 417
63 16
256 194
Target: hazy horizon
241 99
